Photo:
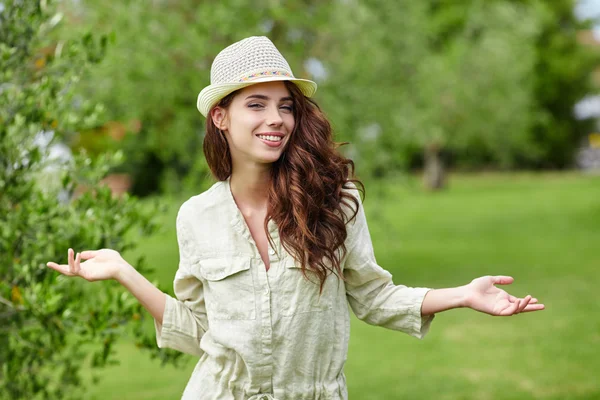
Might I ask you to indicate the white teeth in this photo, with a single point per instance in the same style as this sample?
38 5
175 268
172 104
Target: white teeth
270 138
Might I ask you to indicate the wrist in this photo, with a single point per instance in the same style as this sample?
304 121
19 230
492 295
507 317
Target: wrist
123 269
465 296
459 297
438 300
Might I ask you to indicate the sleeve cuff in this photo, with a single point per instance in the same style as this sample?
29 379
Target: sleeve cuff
161 331
419 325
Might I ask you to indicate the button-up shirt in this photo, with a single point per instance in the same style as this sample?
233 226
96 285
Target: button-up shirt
269 334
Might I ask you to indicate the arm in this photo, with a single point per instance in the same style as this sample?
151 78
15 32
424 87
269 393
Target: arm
108 264
149 296
376 300
180 323
481 295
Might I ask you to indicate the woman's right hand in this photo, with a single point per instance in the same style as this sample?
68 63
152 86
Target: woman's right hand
100 265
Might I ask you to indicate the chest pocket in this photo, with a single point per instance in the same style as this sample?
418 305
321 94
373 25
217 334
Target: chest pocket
300 295
230 288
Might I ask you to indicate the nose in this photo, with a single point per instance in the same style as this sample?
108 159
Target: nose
274 117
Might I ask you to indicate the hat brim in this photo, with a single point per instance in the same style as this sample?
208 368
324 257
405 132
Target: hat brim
212 94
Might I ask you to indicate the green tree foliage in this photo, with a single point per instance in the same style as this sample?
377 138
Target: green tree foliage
485 101
560 77
491 82
475 80
47 206
411 92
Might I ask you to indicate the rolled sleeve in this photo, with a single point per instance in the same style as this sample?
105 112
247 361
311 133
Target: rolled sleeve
371 292
184 318
180 330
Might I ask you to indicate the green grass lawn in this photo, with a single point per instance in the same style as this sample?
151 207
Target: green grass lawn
543 229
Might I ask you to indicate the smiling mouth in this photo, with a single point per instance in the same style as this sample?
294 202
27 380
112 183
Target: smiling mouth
270 138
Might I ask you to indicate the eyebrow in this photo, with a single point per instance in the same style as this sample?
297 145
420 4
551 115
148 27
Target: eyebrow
263 97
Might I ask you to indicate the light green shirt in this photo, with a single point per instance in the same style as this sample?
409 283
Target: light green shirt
269 334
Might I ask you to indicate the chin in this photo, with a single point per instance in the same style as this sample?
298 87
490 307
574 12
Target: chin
269 160
269 157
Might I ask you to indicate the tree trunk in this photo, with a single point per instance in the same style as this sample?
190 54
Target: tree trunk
435 174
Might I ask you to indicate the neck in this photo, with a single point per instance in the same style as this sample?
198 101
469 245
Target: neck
249 187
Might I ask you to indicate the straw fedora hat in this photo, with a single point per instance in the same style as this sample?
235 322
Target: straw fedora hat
247 62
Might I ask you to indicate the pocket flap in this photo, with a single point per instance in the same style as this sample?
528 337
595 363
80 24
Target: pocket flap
292 263
216 269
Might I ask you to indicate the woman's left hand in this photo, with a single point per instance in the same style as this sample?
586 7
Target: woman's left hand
482 295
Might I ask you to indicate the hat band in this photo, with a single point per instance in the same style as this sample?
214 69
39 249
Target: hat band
263 74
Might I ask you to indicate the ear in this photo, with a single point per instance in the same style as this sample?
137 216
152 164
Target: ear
218 116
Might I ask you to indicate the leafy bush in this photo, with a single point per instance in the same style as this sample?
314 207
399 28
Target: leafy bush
48 205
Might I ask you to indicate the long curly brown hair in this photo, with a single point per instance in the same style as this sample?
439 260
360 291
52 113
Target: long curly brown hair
306 199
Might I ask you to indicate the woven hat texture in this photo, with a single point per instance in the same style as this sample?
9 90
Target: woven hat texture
244 63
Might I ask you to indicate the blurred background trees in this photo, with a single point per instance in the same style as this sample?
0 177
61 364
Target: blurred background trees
433 93
470 84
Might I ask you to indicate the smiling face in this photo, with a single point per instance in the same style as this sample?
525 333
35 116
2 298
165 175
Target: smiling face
257 124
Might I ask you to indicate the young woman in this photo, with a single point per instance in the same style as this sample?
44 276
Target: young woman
271 254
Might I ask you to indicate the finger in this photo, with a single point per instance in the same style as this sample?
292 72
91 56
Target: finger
524 303
534 307
62 268
71 261
502 280
87 254
510 310
533 300
77 261
512 298
517 306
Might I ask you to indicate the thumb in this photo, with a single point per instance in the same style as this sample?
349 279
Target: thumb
89 254
502 280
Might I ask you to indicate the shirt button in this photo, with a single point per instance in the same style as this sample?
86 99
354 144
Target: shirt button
271 251
267 291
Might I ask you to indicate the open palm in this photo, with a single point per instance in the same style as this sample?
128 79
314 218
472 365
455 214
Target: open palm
483 296
100 265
